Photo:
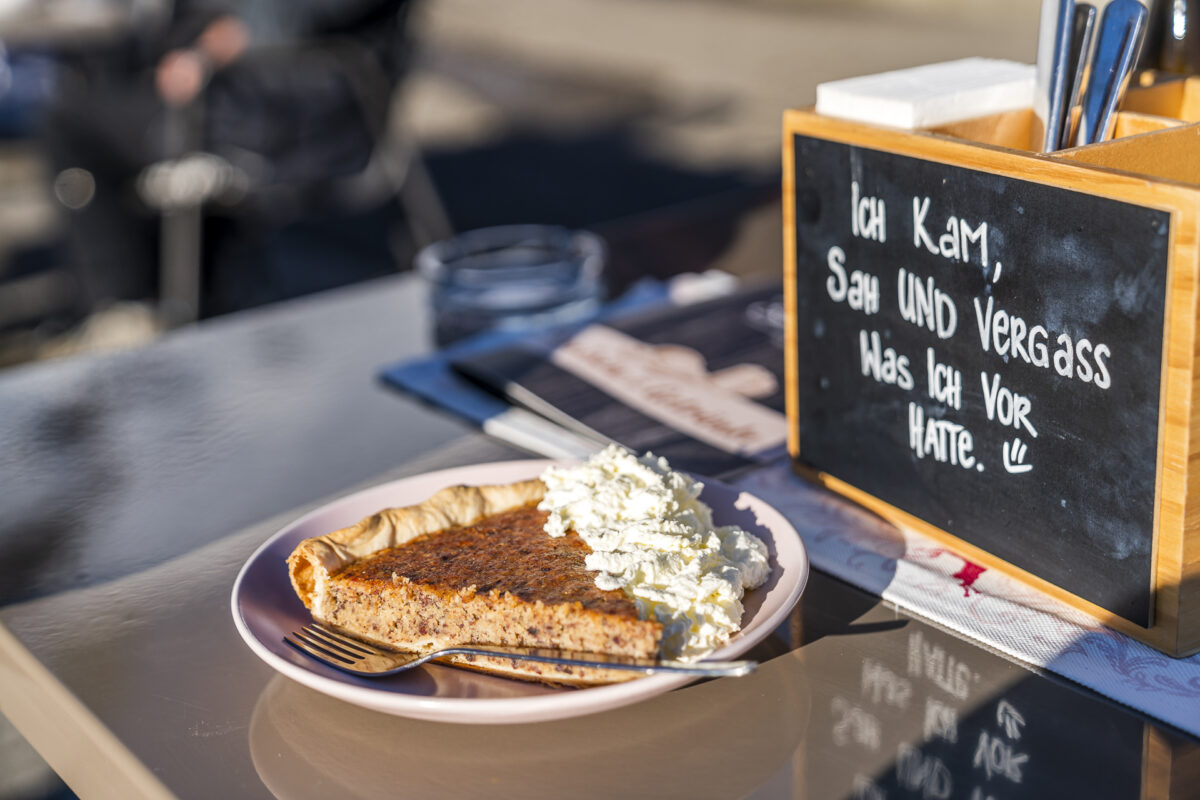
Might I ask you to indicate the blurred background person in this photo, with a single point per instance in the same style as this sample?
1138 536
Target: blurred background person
233 145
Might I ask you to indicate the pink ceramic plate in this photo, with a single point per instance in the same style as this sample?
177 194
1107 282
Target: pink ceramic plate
265 608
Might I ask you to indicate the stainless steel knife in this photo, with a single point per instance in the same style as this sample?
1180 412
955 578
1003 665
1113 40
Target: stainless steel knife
1083 26
1122 29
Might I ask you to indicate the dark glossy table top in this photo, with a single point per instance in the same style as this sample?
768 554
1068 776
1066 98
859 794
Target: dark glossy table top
114 463
137 484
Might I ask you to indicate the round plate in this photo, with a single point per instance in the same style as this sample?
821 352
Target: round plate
265 608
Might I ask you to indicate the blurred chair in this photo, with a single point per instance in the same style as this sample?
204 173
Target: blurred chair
40 295
32 288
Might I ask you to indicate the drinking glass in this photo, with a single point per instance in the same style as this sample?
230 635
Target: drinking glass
512 277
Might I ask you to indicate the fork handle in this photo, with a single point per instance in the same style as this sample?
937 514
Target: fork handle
706 669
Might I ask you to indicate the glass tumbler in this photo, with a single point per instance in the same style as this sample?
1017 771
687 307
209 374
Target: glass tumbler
512 277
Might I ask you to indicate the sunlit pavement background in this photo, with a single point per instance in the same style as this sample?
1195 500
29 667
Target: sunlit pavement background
578 112
596 113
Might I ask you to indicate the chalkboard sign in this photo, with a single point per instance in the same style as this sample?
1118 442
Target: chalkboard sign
984 352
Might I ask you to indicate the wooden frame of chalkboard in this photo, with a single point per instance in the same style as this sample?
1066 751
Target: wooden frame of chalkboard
999 348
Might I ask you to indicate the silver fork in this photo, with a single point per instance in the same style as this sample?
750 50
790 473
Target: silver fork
360 658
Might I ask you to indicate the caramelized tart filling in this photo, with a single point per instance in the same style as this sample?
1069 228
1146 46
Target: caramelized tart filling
506 553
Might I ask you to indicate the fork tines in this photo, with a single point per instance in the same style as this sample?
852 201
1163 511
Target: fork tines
322 642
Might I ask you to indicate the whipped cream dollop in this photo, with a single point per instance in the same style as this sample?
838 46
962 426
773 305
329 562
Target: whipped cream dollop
652 537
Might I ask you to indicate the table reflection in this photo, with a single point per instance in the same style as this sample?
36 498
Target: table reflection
853 699
720 738
902 709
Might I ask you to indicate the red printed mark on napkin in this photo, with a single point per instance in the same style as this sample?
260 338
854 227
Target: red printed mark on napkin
967 576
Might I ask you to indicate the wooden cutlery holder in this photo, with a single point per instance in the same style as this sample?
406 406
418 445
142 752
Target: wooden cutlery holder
999 348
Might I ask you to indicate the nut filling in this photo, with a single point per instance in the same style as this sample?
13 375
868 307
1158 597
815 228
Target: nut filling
499 580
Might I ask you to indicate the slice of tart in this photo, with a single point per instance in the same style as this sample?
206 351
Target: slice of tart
471 565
